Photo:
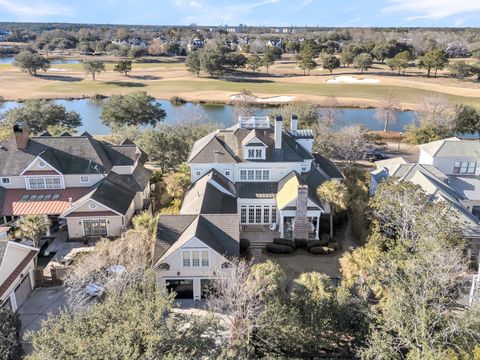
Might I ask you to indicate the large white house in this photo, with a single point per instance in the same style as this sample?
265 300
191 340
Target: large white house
93 186
250 175
448 171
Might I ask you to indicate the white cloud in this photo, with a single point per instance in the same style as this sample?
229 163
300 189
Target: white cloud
32 9
229 12
432 9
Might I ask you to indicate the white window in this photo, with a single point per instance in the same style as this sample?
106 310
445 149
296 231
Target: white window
205 261
186 258
243 174
92 206
258 174
266 215
195 258
471 167
255 153
456 167
274 214
258 214
259 153
251 153
251 215
198 172
41 164
5 180
44 183
243 214
227 172
84 179
266 175
464 167
251 174
304 169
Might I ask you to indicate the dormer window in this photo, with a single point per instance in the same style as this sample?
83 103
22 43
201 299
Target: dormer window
255 153
464 167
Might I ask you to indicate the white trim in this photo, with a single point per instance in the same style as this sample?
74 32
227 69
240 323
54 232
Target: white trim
42 159
20 245
89 199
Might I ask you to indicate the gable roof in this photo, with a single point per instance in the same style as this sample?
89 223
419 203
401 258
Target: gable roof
220 232
328 167
452 147
226 146
211 194
67 154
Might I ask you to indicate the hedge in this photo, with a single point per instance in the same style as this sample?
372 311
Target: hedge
321 250
300 243
279 249
287 242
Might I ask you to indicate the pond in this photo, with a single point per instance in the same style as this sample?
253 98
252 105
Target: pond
90 111
9 60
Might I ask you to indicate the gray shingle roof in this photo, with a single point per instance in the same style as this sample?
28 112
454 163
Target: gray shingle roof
67 154
226 146
328 166
220 232
453 147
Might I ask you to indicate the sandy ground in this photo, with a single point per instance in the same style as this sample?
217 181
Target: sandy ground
166 79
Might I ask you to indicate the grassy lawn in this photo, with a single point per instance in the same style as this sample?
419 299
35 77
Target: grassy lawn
158 87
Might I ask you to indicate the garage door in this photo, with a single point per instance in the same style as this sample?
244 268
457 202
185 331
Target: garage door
183 288
23 290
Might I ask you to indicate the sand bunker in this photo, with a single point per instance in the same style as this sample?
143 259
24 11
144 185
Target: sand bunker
55 69
273 99
352 80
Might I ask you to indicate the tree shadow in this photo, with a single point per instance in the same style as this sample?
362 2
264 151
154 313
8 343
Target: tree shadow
247 80
60 78
125 84
144 77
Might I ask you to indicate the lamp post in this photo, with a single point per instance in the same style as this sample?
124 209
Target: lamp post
399 141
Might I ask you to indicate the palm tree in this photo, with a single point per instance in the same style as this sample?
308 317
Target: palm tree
335 194
147 222
32 227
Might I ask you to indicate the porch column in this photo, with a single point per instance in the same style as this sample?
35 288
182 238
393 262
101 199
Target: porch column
317 235
281 225
48 233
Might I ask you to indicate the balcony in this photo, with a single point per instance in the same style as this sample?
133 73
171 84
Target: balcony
254 122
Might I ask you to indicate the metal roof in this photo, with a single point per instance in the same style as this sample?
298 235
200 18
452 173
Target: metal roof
468 186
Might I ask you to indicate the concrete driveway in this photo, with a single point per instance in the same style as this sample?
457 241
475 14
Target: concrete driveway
41 302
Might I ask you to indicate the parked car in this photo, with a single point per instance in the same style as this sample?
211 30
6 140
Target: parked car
375 155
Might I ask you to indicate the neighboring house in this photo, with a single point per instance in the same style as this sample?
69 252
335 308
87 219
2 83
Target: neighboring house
252 174
446 170
191 250
94 186
17 262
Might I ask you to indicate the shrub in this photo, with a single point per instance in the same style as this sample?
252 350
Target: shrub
287 242
175 100
324 239
279 249
157 176
321 250
301 243
244 245
314 243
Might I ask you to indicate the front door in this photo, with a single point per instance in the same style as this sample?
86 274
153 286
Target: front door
95 227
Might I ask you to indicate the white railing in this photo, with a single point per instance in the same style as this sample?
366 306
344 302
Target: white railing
254 122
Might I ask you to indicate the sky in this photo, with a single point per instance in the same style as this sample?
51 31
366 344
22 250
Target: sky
390 13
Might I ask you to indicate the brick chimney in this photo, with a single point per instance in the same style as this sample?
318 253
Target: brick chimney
21 136
294 122
278 132
301 226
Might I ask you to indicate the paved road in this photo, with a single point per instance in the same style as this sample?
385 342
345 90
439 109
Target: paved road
40 303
